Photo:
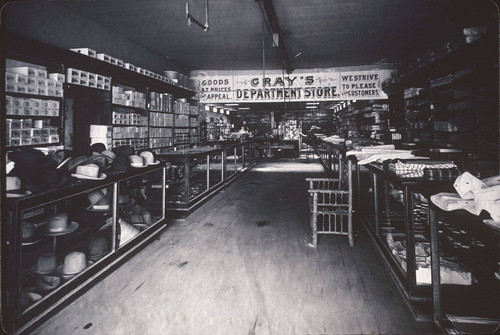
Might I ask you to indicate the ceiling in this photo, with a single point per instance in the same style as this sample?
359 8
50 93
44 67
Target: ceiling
326 33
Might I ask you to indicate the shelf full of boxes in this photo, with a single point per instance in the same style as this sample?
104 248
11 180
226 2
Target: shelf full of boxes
181 124
129 117
194 124
33 103
161 122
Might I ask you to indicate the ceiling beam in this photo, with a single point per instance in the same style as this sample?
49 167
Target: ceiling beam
272 23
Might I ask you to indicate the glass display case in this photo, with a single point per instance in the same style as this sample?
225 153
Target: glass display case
466 250
59 240
195 174
395 213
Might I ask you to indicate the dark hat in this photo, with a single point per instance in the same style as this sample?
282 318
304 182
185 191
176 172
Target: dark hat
120 163
36 171
74 162
99 160
123 150
97 147
28 157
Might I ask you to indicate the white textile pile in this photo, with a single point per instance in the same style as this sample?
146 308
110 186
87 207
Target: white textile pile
379 153
473 195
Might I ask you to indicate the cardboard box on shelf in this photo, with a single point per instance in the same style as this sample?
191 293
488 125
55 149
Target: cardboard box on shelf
22 88
32 89
51 92
32 81
22 79
42 91
60 93
107 81
129 66
15 142
10 87
119 62
44 139
50 83
104 57
26 133
37 124
24 70
15 133
11 77
92 83
53 130
58 85
59 77
25 140
53 138
41 73
85 51
35 103
113 60
18 111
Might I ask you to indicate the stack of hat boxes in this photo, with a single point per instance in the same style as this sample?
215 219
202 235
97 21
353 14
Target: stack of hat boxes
130 127
161 121
181 123
36 85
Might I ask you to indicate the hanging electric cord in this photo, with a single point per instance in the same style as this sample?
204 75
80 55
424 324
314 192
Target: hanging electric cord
191 19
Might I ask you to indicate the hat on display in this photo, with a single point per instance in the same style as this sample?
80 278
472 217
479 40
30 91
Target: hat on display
125 200
36 171
97 147
59 224
123 150
74 263
109 155
77 161
99 201
14 187
27 298
99 160
89 171
137 161
45 264
47 283
149 158
120 164
98 247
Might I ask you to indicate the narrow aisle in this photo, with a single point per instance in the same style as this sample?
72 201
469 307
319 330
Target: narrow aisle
240 265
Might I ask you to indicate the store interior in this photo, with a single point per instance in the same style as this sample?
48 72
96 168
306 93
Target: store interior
261 167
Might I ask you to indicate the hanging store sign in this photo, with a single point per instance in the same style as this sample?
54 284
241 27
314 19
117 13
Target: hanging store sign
362 85
322 86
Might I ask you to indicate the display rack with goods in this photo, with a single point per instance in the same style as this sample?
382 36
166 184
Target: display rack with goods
60 239
395 215
33 105
466 305
290 129
194 174
367 118
451 101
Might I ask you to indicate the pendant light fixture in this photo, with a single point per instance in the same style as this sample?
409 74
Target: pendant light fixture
191 19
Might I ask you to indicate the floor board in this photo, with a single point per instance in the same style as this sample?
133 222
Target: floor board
240 264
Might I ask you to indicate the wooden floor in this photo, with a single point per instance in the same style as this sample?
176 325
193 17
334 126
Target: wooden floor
240 264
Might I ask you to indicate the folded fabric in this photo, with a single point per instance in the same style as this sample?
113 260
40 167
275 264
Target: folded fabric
488 199
449 173
466 184
452 201
430 170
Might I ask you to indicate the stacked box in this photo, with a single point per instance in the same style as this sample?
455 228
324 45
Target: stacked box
84 78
